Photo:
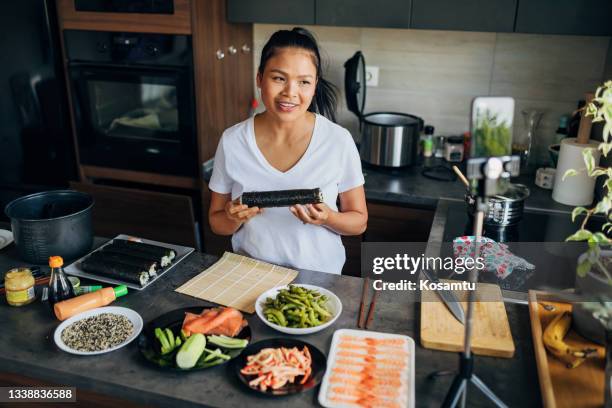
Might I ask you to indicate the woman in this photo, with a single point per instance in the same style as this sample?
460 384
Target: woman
292 145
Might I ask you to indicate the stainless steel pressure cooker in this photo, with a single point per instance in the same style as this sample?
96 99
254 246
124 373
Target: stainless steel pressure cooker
388 139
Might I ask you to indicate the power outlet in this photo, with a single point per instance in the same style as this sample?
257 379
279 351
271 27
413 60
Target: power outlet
371 75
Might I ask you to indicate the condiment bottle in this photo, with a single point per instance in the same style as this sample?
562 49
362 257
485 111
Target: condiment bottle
60 287
19 287
428 141
81 290
67 308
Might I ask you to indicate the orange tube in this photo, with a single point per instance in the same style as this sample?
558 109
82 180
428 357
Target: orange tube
70 307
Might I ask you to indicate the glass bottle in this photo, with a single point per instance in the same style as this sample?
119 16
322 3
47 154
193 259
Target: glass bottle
562 130
60 287
522 143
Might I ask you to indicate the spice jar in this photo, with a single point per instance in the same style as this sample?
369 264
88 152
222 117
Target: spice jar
453 149
19 287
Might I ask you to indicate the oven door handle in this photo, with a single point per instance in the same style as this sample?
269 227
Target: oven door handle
132 68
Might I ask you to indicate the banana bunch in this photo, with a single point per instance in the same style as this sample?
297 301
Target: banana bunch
553 338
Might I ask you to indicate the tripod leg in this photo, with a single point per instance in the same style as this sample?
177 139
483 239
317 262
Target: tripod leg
487 391
455 392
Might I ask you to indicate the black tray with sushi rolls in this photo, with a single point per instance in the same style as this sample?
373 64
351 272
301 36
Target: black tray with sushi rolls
131 261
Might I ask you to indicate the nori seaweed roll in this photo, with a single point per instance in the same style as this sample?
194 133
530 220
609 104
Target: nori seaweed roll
115 270
165 255
149 265
281 198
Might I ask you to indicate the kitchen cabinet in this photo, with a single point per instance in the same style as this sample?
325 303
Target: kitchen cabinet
271 11
364 13
583 17
466 15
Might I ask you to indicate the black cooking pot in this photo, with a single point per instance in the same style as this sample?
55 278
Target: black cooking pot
51 223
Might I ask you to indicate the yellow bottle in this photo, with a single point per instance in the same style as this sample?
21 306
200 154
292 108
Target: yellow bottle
19 286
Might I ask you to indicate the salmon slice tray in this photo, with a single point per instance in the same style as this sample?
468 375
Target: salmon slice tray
369 369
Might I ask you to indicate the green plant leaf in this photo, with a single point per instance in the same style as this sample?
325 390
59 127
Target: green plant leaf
580 235
607 227
598 171
577 211
583 268
603 206
605 148
569 173
607 130
589 160
600 238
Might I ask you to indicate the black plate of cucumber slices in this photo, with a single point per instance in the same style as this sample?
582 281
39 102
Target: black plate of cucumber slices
165 347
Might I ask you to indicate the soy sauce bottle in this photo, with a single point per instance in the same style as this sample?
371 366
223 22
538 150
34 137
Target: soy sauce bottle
60 288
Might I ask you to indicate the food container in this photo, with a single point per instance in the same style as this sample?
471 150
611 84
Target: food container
19 286
502 210
334 305
453 149
388 139
51 223
545 177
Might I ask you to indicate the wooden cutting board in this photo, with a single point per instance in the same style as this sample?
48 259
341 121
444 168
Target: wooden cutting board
563 387
491 331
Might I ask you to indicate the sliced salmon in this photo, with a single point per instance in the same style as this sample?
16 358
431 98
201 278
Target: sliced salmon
192 320
226 320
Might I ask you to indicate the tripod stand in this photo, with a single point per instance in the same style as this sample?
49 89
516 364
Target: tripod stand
465 376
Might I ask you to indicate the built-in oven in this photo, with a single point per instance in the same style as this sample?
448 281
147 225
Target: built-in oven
133 100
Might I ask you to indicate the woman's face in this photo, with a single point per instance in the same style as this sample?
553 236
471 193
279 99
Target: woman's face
288 83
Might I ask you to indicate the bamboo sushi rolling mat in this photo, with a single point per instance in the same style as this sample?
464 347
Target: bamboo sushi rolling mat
237 281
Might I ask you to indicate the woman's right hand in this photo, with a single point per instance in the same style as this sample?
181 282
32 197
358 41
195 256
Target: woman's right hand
240 213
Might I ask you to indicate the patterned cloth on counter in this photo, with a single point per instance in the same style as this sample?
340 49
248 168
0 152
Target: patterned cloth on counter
497 256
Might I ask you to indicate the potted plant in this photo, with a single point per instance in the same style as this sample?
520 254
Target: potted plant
595 266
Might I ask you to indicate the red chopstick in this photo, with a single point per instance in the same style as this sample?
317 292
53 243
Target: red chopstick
371 310
364 291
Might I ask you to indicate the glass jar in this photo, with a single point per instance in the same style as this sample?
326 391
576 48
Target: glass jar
453 149
19 287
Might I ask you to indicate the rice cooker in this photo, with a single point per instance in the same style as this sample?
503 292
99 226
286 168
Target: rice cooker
388 139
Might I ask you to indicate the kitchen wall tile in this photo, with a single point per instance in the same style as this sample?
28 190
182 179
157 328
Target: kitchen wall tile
547 67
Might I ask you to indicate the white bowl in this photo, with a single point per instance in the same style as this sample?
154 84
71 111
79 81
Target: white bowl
132 316
333 305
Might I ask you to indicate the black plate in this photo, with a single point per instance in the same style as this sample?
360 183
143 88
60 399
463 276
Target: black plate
319 364
150 348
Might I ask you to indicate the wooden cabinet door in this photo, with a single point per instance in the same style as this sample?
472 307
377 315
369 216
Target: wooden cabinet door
574 17
364 13
271 11
465 15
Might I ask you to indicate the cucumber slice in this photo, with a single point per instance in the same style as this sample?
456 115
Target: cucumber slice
190 351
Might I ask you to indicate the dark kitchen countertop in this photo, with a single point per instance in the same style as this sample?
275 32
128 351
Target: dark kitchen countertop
28 349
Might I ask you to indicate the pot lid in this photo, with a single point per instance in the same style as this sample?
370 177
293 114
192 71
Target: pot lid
355 83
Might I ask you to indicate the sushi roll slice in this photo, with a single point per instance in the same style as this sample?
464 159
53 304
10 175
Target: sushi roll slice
166 255
281 198
148 265
115 270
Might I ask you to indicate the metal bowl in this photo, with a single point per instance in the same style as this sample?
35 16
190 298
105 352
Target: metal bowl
502 210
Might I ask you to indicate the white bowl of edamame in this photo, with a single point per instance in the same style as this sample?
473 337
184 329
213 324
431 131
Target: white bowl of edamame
298 308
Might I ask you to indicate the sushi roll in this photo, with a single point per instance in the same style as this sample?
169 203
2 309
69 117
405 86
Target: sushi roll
149 265
281 198
165 255
115 270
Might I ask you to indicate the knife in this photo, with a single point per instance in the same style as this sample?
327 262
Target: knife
449 299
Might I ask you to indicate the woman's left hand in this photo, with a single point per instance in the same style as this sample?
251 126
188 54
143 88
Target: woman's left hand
316 214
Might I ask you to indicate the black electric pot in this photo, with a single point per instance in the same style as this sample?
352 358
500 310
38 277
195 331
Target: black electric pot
388 139
51 223
503 210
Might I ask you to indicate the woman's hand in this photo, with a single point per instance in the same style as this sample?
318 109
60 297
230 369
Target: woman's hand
316 214
240 213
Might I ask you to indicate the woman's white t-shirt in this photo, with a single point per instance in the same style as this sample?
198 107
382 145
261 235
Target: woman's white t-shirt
331 162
